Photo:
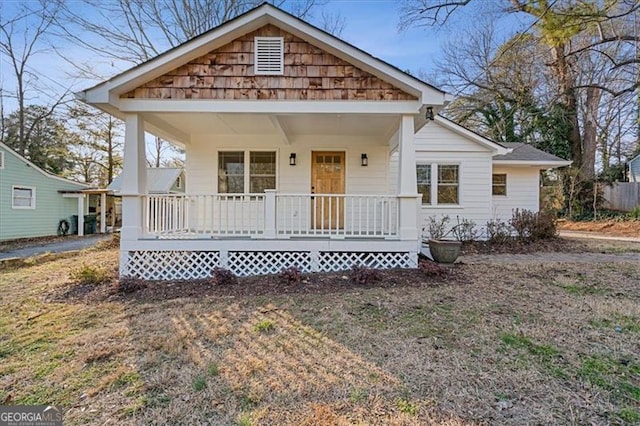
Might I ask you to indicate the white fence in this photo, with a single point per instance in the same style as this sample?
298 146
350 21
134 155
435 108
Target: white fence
271 215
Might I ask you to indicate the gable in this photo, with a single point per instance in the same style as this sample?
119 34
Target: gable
310 73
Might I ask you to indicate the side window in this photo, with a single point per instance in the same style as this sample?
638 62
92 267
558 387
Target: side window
448 184
23 197
499 184
424 182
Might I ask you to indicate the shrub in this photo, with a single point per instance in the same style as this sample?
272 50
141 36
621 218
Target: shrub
498 231
90 275
264 326
431 269
465 230
363 275
530 226
437 227
130 285
290 275
221 276
635 213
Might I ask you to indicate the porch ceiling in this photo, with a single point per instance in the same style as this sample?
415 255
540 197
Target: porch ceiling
376 126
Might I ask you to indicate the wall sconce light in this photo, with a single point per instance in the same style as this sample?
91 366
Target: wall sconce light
364 160
292 159
429 113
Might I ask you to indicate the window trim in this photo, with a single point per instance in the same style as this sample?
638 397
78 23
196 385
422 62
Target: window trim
493 185
32 198
247 169
280 70
434 184
430 202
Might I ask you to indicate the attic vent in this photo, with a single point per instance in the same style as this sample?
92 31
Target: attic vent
269 55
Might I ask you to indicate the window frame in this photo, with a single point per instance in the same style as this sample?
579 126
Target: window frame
435 166
456 185
32 204
430 184
246 182
494 185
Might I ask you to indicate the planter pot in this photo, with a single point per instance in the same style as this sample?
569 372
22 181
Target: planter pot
444 251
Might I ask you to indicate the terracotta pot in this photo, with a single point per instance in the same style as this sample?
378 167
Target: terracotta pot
445 251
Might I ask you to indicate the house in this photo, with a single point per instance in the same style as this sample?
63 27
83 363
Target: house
33 201
301 150
160 180
634 169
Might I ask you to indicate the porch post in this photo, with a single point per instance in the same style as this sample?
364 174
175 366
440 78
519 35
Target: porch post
134 185
407 180
270 213
80 215
103 212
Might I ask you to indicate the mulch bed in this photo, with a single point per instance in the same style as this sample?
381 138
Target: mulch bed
264 285
520 247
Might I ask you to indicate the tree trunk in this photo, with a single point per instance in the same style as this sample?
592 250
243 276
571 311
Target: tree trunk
590 126
570 102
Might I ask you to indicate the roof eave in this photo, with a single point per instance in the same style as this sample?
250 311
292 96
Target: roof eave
533 163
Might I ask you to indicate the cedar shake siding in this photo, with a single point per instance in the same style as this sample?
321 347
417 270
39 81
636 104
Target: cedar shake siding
309 74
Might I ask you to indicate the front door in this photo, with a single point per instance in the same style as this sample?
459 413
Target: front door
327 177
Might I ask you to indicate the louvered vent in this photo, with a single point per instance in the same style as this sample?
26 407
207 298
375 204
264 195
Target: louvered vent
269 55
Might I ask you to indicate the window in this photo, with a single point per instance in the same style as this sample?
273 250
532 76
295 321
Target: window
499 184
424 182
234 177
1 160
269 55
448 184
179 182
24 197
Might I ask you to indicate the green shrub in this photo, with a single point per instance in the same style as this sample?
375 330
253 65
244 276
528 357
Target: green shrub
90 275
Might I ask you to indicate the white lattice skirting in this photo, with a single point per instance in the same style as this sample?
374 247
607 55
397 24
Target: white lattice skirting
184 265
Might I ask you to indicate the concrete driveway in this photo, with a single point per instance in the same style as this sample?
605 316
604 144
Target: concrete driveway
56 247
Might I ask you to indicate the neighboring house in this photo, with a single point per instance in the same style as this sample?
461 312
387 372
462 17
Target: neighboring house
159 181
301 150
33 201
634 169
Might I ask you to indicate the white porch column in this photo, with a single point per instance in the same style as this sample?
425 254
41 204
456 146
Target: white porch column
407 180
270 213
134 184
80 215
103 213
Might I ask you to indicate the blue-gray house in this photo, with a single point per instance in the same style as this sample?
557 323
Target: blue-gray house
33 201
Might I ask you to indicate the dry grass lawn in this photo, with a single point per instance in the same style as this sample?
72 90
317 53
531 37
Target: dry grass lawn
490 344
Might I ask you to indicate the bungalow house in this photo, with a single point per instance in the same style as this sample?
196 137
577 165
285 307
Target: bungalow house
301 150
33 201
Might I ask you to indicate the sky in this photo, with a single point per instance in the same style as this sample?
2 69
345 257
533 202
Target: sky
370 25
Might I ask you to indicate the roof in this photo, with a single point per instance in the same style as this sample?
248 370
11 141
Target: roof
40 170
471 135
159 180
264 14
525 154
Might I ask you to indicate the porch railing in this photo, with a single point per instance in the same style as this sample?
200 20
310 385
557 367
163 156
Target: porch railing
271 215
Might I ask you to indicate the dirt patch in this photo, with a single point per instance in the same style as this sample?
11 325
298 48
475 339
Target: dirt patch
31 242
630 228
524 247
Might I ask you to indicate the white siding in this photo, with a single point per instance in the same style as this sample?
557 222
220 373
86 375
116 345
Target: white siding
523 191
202 161
435 144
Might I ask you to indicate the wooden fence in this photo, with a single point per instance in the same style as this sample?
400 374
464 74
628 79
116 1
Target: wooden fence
622 196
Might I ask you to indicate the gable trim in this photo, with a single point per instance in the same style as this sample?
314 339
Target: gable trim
472 136
107 92
33 166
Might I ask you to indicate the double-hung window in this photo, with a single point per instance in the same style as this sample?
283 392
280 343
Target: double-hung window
23 197
235 178
499 184
439 183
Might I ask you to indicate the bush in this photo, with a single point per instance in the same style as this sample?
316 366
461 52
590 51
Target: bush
431 269
90 275
498 231
364 275
437 227
130 285
635 213
221 276
530 226
465 230
290 275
